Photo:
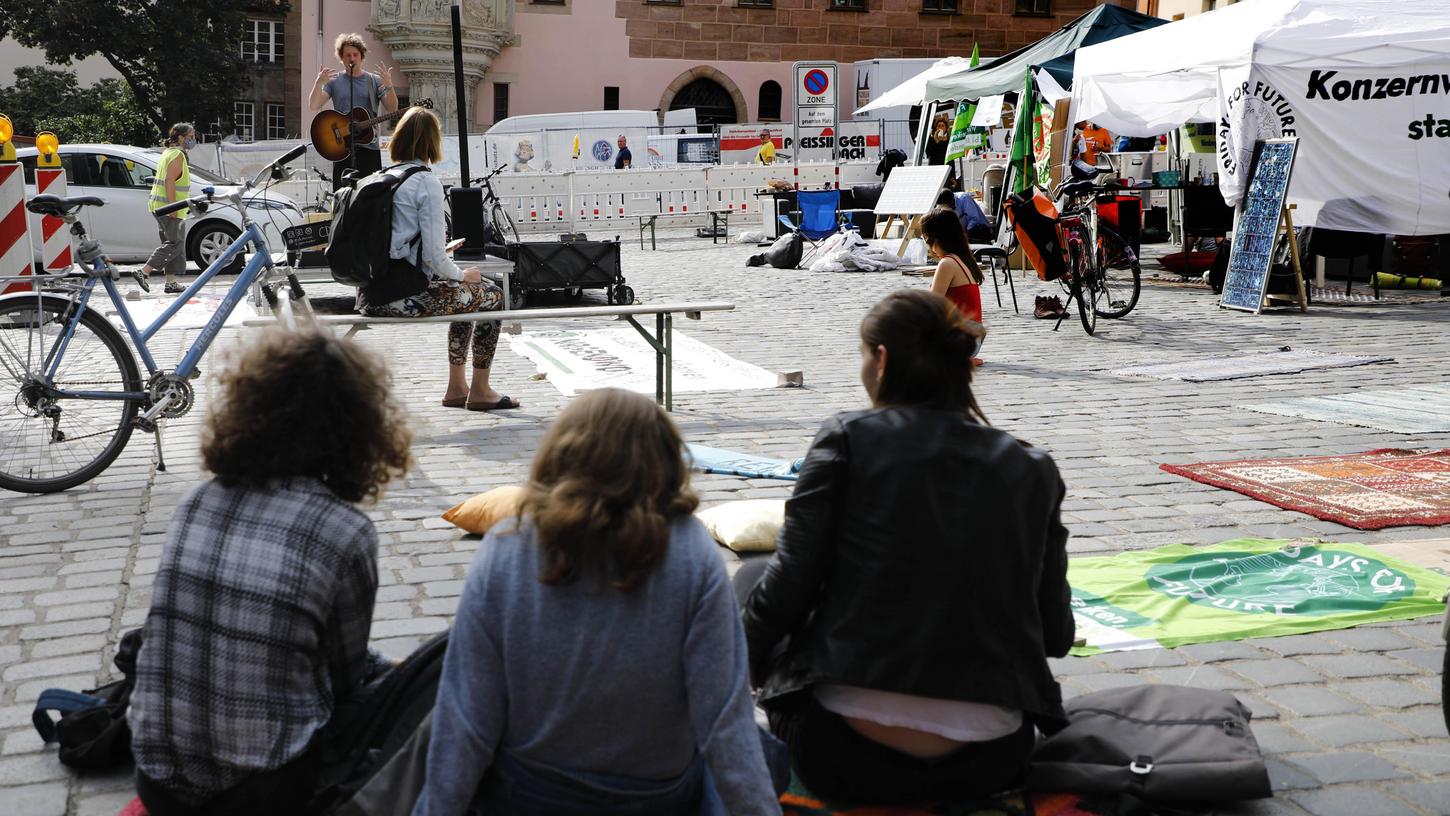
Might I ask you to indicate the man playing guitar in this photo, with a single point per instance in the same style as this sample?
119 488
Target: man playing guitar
355 88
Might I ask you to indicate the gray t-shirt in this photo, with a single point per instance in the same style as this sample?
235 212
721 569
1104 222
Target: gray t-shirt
363 93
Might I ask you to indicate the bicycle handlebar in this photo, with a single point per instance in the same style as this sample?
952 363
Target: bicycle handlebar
185 202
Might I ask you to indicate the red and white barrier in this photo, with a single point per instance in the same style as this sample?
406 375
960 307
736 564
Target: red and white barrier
55 251
15 251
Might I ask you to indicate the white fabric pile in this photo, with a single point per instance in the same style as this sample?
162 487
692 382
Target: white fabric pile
848 252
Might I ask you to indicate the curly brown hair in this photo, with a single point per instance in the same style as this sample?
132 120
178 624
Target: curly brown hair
354 40
608 479
304 403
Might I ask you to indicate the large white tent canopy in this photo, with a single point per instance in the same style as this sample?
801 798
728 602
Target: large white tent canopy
912 90
1363 84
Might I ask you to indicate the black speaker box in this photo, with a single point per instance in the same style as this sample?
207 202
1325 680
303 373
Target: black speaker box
466 205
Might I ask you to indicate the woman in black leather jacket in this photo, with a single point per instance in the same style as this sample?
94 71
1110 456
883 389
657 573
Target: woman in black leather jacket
899 636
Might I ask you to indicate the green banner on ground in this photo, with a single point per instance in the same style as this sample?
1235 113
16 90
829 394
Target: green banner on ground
1179 594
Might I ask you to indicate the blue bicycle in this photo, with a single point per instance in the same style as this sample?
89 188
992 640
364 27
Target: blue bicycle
70 391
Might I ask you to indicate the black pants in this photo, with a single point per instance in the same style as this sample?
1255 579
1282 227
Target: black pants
364 159
843 767
281 792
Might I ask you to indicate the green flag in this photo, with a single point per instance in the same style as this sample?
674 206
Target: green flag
976 58
964 136
1024 134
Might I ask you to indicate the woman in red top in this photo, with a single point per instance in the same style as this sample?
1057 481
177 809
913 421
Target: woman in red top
957 277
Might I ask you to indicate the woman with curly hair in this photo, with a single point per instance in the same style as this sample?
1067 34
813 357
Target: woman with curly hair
597 659
263 598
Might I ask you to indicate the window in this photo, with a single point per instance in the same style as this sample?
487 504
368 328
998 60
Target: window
848 5
242 120
262 41
611 97
1033 8
114 171
276 121
756 3
500 101
940 6
768 104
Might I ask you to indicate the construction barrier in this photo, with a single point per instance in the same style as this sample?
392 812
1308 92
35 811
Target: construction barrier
15 252
55 247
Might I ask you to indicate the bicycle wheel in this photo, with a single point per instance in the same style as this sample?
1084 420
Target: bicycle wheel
1122 280
1081 288
502 224
49 442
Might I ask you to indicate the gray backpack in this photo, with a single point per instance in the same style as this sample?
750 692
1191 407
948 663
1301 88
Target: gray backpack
1156 747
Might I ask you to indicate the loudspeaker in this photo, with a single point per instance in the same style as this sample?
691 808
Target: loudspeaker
466 204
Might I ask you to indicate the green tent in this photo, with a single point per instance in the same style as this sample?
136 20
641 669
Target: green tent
1054 53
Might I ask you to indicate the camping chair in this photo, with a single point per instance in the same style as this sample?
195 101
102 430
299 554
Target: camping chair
821 217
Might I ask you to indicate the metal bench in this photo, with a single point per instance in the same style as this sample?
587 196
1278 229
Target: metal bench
661 341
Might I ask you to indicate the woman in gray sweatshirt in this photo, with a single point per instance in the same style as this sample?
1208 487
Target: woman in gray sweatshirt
597 659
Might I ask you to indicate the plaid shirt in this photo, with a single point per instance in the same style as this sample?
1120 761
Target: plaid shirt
259 622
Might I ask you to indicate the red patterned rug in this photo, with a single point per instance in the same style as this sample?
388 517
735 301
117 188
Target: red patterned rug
1366 491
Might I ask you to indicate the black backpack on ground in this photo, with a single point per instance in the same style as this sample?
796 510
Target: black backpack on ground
1154 749
370 728
362 234
92 729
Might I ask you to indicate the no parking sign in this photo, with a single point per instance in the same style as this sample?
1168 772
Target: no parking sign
815 94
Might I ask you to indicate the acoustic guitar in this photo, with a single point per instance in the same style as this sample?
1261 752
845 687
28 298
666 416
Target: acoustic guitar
334 134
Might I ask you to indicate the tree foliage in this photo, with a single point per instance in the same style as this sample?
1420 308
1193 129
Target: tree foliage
180 58
51 99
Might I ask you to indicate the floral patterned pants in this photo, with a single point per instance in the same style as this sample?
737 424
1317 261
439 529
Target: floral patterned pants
446 297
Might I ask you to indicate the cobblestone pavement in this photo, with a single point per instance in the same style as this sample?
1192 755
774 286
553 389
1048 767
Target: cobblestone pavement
1350 719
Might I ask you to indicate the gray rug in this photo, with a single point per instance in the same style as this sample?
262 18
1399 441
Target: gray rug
1421 409
1248 365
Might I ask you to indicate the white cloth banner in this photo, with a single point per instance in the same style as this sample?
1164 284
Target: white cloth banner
1397 116
619 358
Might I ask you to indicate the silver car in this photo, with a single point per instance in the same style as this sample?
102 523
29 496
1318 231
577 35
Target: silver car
122 176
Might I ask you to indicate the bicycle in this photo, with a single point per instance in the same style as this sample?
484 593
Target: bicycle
1106 281
498 216
66 373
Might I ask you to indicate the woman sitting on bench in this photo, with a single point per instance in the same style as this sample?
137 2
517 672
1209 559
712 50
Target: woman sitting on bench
441 288
900 632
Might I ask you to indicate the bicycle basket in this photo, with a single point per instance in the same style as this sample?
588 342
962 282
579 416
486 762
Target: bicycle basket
1034 219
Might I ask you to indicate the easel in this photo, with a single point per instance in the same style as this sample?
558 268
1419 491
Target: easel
1301 297
910 228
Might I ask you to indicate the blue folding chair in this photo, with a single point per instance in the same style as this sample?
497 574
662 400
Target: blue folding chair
820 216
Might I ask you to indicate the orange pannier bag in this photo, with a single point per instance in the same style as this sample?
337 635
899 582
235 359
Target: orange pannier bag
1034 218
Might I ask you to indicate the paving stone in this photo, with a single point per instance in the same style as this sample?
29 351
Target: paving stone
1284 776
1434 797
1227 650
1311 701
1429 758
1427 660
1274 672
1348 766
104 804
1209 677
35 800
1356 665
1370 639
1341 730
1141 659
1426 721
1292 645
1274 738
1390 693
1349 801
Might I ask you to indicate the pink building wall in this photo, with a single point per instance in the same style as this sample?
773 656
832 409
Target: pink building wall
562 62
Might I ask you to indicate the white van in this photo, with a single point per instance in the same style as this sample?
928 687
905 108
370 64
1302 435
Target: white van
545 141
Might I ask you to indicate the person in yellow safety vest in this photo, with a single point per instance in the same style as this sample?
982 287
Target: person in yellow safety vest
767 149
172 183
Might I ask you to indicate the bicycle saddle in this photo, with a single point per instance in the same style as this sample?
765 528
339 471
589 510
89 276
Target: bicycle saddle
47 204
1077 188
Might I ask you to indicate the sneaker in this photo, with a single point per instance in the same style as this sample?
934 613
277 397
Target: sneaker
174 288
1049 308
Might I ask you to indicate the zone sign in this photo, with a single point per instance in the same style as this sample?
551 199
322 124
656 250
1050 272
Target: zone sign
815 84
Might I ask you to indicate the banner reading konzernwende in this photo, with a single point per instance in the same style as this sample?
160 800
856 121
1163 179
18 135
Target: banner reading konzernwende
1372 141
1245 588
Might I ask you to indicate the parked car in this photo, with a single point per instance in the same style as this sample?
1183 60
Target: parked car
122 177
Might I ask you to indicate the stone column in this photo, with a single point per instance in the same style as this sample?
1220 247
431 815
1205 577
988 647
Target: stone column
419 34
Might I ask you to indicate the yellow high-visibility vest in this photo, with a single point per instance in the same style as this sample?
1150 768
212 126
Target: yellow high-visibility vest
183 183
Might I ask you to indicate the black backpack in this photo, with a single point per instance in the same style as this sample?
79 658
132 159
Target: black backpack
370 728
92 729
362 230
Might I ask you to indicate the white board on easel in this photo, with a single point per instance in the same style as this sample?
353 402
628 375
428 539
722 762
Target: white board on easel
910 193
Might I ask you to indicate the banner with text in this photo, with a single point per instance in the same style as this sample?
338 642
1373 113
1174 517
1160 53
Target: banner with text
1176 595
1372 142
740 144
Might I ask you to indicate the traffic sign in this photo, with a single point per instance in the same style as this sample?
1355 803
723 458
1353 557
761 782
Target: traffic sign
815 97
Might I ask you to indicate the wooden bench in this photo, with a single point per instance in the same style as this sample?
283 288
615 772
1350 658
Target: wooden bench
719 224
661 341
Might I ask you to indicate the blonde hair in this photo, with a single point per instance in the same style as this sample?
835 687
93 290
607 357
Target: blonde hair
354 40
418 136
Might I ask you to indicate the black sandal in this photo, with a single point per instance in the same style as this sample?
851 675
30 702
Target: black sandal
504 403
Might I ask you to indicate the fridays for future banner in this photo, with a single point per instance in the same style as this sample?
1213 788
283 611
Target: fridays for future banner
1372 147
1175 595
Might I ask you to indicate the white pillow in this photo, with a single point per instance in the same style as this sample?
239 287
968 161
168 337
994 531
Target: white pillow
750 525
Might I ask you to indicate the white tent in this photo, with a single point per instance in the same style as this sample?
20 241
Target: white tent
912 90
1363 84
